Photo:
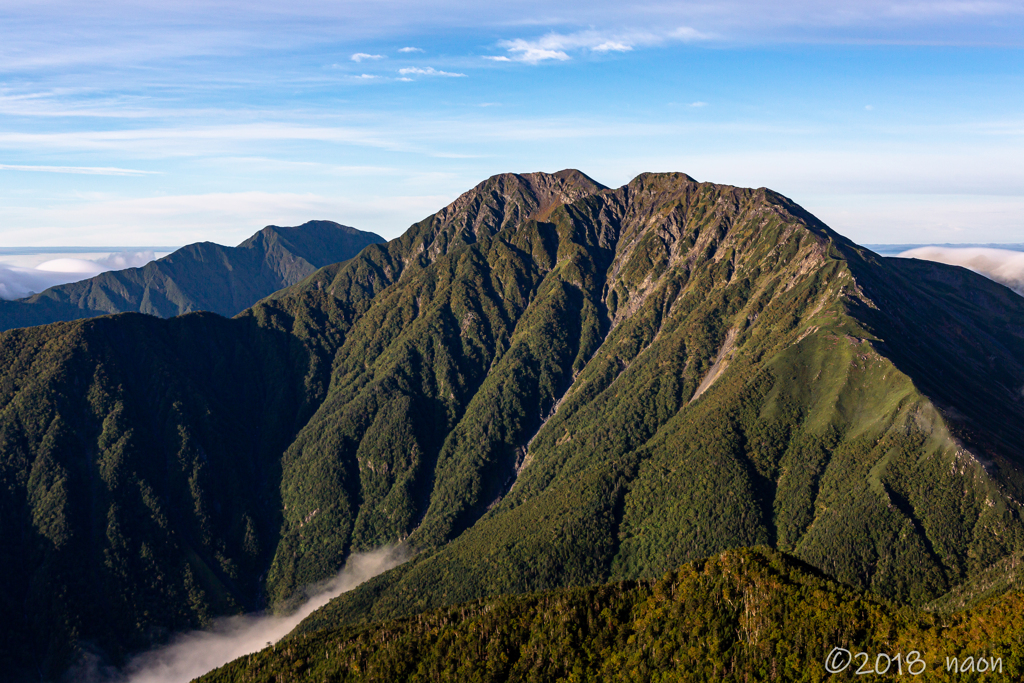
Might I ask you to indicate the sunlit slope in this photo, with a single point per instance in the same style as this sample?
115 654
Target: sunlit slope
412 358
742 615
343 290
198 277
717 376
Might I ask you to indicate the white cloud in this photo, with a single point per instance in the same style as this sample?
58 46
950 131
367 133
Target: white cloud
612 46
126 33
557 46
79 170
18 282
411 49
429 71
500 58
126 259
362 57
366 76
534 52
190 655
1002 265
685 33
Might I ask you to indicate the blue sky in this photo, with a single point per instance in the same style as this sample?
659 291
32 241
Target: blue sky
125 124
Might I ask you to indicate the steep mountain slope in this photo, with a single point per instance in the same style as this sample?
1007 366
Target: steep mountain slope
199 277
140 478
750 614
141 467
676 368
547 383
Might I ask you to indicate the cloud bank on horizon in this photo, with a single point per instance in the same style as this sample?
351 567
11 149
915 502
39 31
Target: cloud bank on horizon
1001 265
17 282
110 111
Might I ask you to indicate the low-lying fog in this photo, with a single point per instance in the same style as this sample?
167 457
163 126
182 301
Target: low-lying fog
193 654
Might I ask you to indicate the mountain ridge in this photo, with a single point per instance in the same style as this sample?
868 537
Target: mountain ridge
200 276
516 398
827 247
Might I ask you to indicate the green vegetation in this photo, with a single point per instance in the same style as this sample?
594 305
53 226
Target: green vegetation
140 472
199 277
546 384
744 615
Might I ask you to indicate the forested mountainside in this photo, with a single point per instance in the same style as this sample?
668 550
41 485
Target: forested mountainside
744 615
199 277
547 383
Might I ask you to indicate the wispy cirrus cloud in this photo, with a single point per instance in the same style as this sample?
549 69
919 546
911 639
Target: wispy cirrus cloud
197 140
60 33
365 57
78 170
230 216
197 84
952 8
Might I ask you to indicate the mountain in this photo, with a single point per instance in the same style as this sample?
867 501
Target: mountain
200 277
746 614
547 383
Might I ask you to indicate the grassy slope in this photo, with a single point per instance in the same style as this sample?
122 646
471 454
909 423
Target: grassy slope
743 615
198 277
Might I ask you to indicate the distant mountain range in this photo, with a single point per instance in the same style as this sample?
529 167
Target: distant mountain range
198 277
546 384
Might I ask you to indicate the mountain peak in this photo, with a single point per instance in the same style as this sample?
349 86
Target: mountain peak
518 196
201 276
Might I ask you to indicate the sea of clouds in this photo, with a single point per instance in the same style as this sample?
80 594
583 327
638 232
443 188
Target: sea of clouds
18 280
1002 265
